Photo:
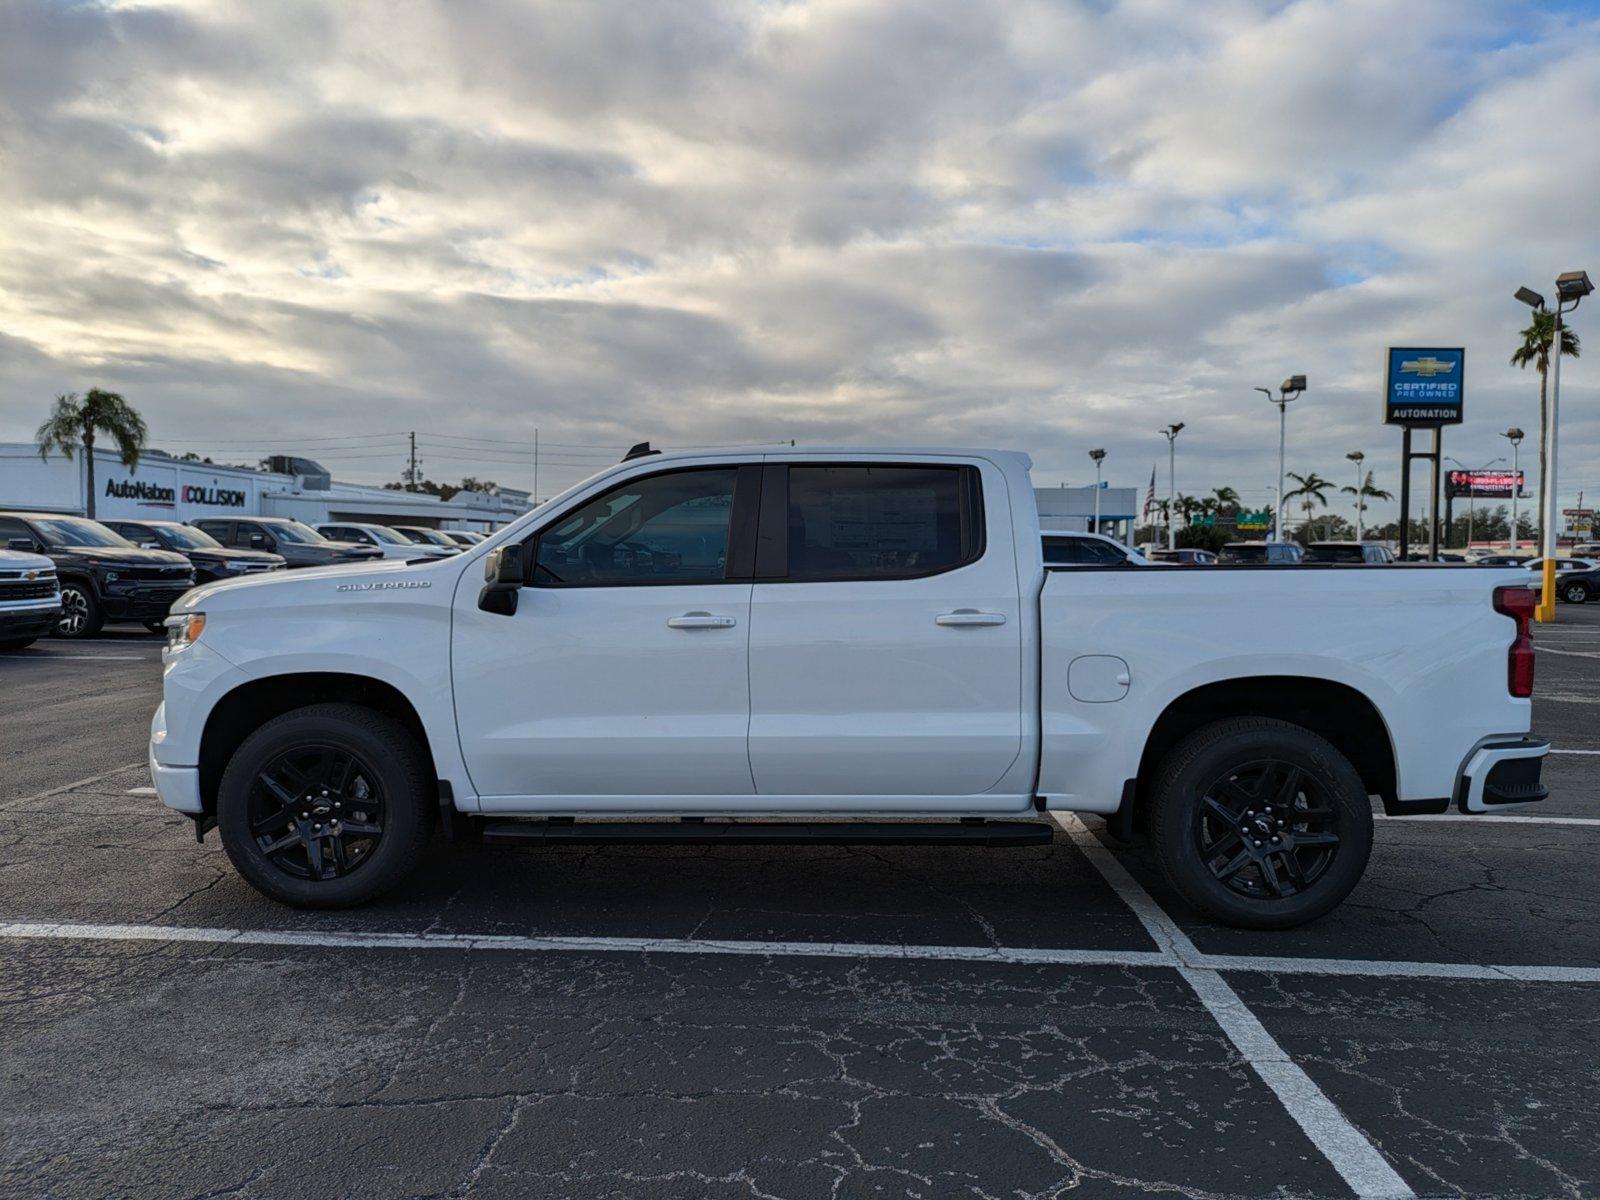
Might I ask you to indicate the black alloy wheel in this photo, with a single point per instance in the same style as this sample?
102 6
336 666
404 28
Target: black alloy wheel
317 812
327 806
1259 823
1266 829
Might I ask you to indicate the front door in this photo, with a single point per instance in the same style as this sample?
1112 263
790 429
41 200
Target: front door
886 640
623 676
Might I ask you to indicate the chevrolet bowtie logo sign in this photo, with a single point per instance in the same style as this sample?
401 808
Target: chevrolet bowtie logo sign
1426 367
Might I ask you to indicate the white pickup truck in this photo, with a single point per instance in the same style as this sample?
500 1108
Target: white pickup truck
837 645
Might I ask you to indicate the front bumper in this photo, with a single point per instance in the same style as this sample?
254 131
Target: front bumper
178 787
31 618
1502 772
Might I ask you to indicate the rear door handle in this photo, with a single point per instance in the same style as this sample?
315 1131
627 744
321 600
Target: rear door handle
701 620
969 616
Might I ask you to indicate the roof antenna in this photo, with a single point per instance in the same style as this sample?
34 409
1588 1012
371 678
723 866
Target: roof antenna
639 451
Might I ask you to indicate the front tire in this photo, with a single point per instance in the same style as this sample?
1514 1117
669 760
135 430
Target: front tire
1259 823
1575 593
81 615
326 807
17 643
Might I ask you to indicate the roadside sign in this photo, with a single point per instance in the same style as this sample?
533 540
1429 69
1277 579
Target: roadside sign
1207 520
1423 387
1579 521
1252 521
1490 484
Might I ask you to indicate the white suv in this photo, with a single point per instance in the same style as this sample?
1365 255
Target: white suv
385 539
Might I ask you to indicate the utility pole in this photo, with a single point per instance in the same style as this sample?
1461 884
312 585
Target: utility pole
536 466
1171 434
1099 457
411 470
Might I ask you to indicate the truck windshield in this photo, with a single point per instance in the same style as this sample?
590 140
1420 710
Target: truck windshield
73 531
293 531
185 536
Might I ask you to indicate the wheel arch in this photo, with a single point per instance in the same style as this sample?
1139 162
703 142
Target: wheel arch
245 708
1336 711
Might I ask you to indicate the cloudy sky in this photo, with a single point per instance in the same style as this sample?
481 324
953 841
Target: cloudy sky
1052 225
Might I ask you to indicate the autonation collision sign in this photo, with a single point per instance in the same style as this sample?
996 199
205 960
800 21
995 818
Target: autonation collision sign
1423 387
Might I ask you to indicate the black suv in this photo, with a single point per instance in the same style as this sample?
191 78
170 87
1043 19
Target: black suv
210 558
300 545
104 577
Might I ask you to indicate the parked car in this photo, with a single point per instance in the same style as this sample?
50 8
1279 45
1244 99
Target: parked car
424 536
210 558
104 577
831 634
1071 548
298 544
463 537
1586 550
1575 587
1349 552
1258 554
1502 560
1445 556
1184 556
30 595
390 544
1535 566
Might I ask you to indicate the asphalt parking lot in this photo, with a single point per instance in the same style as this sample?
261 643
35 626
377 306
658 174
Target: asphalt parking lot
780 1022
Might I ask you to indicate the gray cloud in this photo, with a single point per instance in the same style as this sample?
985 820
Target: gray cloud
1044 224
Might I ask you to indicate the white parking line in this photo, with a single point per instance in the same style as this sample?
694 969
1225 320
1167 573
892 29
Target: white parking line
1554 751
76 783
142 791
1568 653
335 939
1344 1146
50 658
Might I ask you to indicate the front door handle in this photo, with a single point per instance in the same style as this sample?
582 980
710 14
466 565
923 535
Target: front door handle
969 616
701 620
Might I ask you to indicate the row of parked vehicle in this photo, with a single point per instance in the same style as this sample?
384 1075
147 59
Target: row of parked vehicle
68 576
1577 577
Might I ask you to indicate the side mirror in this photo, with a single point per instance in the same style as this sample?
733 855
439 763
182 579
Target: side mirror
504 572
24 544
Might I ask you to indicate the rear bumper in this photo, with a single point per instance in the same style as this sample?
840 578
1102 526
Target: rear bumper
1502 772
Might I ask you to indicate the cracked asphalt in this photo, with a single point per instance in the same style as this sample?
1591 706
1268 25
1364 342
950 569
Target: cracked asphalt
185 1069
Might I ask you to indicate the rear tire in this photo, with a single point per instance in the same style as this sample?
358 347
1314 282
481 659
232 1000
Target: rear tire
1259 823
81 615
1575 593
327 806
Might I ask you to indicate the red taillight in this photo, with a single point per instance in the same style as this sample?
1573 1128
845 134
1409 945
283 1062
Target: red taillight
1518 603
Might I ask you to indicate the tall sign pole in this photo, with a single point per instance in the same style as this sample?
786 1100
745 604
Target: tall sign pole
1423 389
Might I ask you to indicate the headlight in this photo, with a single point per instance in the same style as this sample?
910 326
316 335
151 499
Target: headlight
183 629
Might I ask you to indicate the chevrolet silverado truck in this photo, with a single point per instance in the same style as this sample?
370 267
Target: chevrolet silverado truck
30 596
837 646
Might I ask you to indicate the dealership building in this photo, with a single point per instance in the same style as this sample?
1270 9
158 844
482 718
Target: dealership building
1071 510
170 489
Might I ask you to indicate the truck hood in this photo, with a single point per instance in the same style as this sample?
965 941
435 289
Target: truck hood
278 589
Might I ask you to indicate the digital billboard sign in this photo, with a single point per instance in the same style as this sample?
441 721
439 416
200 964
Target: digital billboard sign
1495 485
1423 387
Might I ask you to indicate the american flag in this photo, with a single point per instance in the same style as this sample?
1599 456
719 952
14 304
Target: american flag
1150 494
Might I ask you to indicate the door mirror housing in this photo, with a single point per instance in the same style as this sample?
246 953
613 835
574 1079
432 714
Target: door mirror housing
504 572
260 541
26 545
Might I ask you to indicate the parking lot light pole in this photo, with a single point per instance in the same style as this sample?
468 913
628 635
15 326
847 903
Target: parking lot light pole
1514 436
1289 389
1571 288
1171 433
1358 458
1099 457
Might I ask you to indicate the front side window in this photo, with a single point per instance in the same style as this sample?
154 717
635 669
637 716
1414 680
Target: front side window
669 528
872 522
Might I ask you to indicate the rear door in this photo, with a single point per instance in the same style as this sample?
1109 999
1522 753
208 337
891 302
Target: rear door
623 676
886 637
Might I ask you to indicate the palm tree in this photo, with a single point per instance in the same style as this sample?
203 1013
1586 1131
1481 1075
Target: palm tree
1226 500
1535 349
73 423
1311 486
1369 491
